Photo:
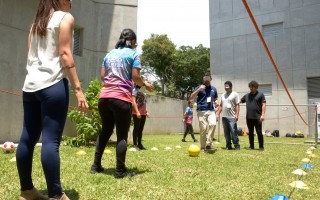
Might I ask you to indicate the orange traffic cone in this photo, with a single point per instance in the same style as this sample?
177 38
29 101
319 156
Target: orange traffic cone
245 132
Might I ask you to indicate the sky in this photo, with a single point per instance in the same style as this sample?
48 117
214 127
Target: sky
186 22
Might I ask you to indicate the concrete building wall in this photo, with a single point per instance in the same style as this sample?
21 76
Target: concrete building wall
237 54
101 21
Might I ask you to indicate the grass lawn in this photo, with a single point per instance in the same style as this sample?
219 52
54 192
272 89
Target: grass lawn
172 174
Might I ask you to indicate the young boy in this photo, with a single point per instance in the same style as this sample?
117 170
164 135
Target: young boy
188 116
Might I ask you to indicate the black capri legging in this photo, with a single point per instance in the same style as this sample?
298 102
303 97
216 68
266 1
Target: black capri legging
114 112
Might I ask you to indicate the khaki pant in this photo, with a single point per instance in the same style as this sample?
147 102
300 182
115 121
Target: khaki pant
207 124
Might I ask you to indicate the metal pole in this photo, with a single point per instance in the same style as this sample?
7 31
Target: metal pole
316 128
218 130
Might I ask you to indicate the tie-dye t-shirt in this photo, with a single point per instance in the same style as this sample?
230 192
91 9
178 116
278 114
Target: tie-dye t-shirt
140 101
189 116
118 65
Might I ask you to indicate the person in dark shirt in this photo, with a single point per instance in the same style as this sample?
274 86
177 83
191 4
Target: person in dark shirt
256 108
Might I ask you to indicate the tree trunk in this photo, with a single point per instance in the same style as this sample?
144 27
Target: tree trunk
162 87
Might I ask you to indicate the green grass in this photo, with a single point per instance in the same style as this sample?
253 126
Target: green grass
172 174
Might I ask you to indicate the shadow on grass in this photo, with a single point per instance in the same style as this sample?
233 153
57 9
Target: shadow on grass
71 193
112 171
211 151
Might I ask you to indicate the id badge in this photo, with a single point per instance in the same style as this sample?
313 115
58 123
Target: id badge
208 99
228 105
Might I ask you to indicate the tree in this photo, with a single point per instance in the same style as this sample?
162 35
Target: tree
157 56
190 64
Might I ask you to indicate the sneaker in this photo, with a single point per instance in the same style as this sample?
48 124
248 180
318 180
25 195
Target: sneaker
229 148
210 149
261 149
32 194
62 197
96 169
237 148
141 147
195 140
124 174
183 140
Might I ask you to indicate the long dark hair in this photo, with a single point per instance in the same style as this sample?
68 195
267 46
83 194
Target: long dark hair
44 12
127 39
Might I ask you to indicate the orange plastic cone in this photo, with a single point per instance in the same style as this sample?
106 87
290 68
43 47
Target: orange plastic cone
245 132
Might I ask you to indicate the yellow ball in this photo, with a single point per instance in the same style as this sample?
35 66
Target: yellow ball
194 150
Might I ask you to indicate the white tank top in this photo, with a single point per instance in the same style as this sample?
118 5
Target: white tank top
43 64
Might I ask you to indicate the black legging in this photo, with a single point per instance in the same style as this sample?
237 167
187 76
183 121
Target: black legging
138 129
189 129
255 123
114 112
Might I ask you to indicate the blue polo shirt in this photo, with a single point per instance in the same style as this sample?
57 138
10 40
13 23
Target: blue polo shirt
203 95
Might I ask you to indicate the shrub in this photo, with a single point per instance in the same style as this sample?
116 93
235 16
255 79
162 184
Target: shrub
88 123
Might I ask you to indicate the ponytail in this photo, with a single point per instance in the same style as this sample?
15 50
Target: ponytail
127 39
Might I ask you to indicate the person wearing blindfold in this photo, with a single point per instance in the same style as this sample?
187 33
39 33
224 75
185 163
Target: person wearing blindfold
207 100
229 109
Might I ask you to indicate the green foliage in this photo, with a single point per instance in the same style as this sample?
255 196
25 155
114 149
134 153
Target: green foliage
157 87
158 54
190 64
88 124
179 70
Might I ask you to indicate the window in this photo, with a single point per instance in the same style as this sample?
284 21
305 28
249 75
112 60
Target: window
272 29
266 89
77 44
313 87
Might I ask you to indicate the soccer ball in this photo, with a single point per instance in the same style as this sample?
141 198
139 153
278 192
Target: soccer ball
194 150
8 147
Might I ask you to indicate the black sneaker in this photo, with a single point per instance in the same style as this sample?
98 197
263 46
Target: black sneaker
229 148
208 147
124 174
96 169
183 140
195 140
141 147
237 148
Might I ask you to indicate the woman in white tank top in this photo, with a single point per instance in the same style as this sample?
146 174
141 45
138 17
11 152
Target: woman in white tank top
46 95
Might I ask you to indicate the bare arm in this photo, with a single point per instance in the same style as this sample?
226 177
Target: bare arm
66 58
135 107
236 117
29 40
185 114
138 80
102 73
196 92
219 109
263 110
216 102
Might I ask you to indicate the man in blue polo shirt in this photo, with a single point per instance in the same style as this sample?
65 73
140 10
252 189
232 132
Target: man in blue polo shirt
206 102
